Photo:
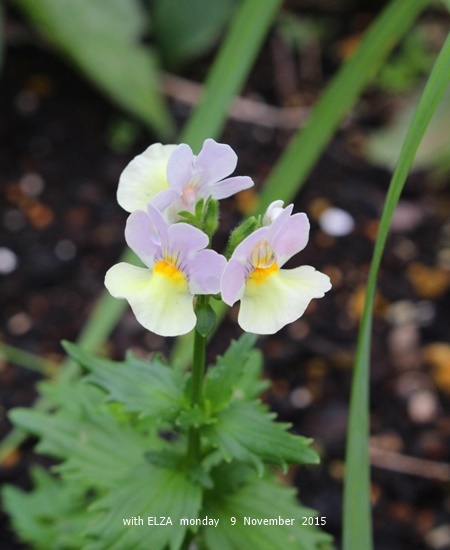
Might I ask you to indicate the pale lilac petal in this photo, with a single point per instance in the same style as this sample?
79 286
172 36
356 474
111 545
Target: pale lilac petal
243 251
144 177
159 231
281 298
138 236
214 162
205 272
292 238
164 199
180 168
233 282
161 304
186 239
278 223
230 186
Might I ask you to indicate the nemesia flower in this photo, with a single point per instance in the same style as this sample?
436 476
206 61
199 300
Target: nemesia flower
177 268
190 178
144 177
272 297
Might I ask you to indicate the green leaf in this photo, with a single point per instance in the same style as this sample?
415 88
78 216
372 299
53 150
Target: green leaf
223 379
150 389
193 417
188 29
102 39
260 499
357 513
246 432
53 515
96 448
148 491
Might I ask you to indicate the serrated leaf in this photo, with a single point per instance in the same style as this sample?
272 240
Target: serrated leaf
53 515
223 379
260 499
148 491
246 432
103 39
150 389
96 448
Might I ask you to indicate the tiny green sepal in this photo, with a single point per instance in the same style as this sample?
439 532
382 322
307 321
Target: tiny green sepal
206 319
211 217
242 231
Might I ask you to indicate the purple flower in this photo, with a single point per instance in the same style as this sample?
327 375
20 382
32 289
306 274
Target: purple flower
191 178
177 267
272 297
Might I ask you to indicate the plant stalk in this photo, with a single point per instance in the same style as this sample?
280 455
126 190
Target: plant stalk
198 373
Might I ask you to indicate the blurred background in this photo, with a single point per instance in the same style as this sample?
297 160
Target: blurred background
85 86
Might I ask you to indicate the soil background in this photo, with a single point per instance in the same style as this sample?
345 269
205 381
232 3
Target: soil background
60 162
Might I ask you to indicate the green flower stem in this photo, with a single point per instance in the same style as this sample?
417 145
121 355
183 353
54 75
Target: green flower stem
198 373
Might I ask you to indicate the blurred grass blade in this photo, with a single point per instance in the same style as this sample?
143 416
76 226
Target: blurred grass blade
293 168
357 514
102 39
231 67
43 366
302 153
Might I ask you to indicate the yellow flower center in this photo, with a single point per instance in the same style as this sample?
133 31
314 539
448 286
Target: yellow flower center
170 272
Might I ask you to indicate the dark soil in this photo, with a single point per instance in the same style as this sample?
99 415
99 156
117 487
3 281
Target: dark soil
59 172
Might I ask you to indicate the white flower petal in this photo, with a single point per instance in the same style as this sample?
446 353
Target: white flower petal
273 211
160 301
280 298
144 177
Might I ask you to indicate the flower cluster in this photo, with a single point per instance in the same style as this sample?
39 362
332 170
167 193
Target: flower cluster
169 192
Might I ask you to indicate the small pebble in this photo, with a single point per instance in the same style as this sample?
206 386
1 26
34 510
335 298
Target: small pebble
19 323
439 537
336 222
301 398
32 184
8 261
65 250
14 220
423 406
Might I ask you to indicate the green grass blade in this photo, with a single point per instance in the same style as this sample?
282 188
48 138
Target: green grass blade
302 153
14 355
357 514
230 69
